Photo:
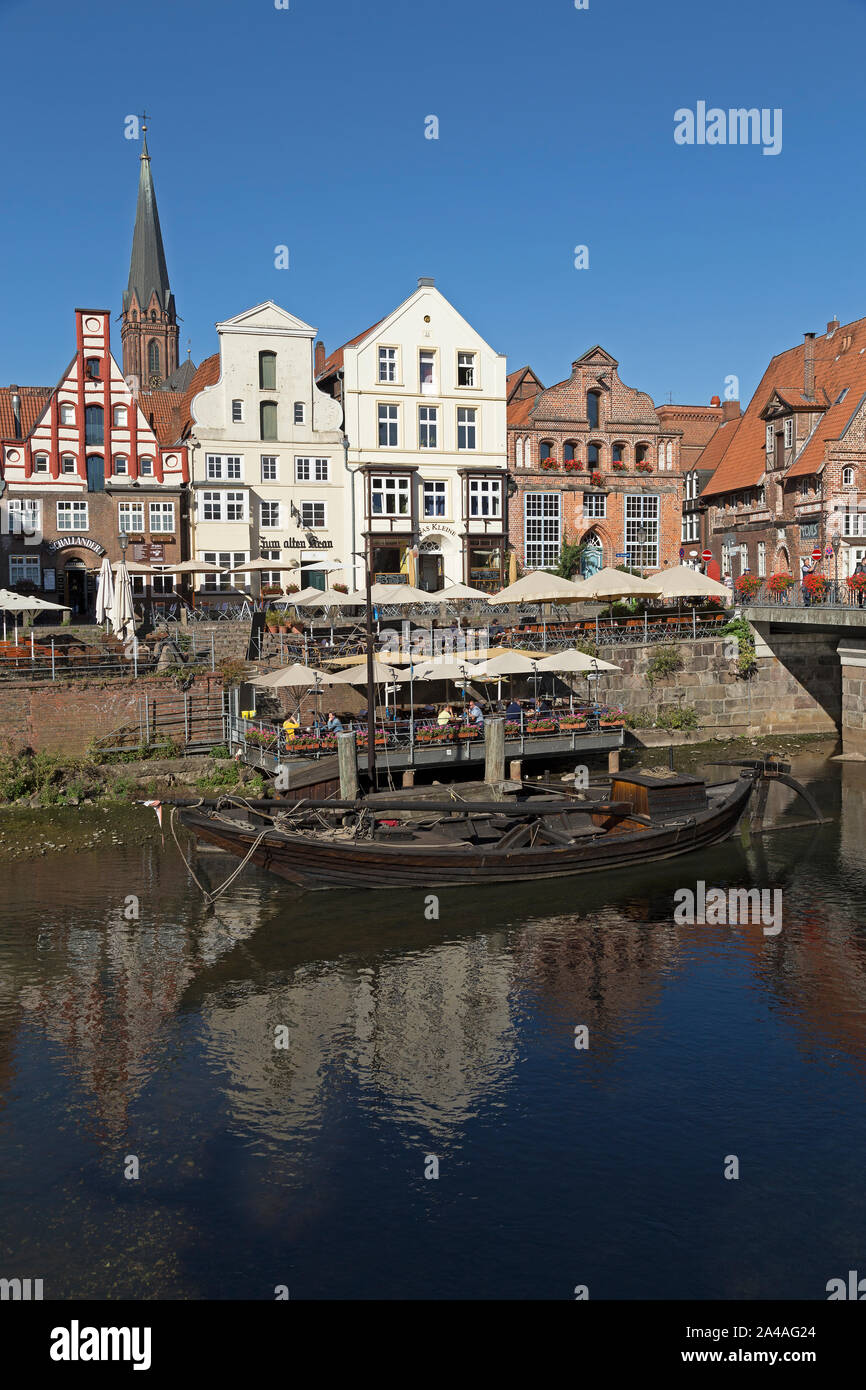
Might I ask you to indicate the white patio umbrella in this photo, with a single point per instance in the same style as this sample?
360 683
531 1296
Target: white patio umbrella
452 592
610 583
256 566
104 592
574 661
331 598
537 587
357 674
403 595
684 582
10 602
294 675
122 615
292 600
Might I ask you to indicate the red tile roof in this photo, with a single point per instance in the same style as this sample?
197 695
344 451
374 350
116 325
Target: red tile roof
335 361
714 451
33 401
840 363
519 411
170 411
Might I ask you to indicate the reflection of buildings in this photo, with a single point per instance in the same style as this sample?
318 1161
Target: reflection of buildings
103 987
431 1031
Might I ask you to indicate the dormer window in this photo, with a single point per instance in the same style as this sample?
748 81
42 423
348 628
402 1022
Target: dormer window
789 432
771 441
92 368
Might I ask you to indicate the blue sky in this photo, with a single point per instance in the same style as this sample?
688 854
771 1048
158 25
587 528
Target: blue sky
305 127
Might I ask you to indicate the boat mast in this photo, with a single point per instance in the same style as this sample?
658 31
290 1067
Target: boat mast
371 685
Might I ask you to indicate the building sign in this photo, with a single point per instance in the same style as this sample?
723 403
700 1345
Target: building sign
430 528
148 552
78 541
808 531
309 543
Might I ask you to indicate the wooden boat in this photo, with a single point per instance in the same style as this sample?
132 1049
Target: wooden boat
437 844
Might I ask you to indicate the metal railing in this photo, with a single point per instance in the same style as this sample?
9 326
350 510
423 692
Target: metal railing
832 593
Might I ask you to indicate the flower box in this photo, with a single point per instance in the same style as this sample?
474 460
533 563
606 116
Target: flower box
780 583
571 725
644 466
541 726
747 584
572 466
596 478
618 466
512 728
857 583
549 463
467 734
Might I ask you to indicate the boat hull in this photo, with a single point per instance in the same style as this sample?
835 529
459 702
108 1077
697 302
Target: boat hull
313 863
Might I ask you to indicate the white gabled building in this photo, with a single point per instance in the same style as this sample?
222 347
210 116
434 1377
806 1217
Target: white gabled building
267 455
423 399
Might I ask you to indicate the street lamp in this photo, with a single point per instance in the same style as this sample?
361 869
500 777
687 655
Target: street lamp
641 536
836 542
123 541
371 684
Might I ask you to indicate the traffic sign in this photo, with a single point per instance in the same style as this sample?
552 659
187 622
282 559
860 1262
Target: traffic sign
816 554
682 551
706 556
623 554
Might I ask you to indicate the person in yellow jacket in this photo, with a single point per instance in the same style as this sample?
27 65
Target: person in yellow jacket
290 728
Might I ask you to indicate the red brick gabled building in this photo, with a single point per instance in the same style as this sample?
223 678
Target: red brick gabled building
697 427
592 462
792 476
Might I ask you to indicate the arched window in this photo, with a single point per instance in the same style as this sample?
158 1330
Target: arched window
134 315
545 449
153 357
593 455
847 476
617 453
661 456
527 452
267 373
268 414
592 408
120 415
153 316
592 559
518 452
640 453
568 451
94 425
669 454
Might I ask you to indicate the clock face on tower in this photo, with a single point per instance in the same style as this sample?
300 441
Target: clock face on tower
154 378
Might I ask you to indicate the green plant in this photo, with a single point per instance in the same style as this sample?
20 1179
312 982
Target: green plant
666 662
232 672
746 660
570 558
685 717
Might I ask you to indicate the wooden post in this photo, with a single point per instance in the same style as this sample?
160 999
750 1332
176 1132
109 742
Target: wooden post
409 777
515 770
613 760
494 751
347 756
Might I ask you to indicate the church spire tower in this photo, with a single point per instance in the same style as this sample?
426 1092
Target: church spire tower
148 321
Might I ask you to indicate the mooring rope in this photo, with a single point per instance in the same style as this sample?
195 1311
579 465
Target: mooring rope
212 897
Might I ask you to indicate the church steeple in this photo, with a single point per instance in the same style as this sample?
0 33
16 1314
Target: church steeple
149 322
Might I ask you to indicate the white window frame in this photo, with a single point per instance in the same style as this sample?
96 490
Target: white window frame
847 481
762 559
542 529
381 485
435 491
71 507
389 417
770 440
299 413
789 432
212 502
222 583
427 388
160 510
67 458
67 413
224 467
485 499
270 459
310 523
145 466
273 509
642 509
388 365
595 505
29 512
40 463
25 569
120 466
119 417
132 506
237 412
426 426
235 502
312 470
471 366
467 428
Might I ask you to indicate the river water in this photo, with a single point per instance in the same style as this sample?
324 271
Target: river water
152 1042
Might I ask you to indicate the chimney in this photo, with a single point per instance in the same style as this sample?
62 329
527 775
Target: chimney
715 400
16 411
425 282
731 410
320 357
809 366
832 326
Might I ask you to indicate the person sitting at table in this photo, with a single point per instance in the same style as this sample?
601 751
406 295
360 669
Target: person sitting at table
334 725
513 710
445 716
476 714
540 706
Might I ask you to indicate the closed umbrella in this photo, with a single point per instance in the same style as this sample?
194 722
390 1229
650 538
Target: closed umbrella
104 592
122 615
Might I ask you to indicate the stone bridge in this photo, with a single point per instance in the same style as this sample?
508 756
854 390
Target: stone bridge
824 648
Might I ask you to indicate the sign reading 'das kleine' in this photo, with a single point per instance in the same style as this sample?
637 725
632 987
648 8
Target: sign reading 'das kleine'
83 541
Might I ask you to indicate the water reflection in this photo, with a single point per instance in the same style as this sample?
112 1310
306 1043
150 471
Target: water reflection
404 1035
